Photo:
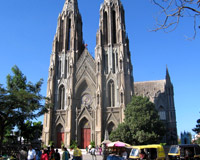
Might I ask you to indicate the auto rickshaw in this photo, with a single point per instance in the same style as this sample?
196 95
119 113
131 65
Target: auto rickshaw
184 151
151 152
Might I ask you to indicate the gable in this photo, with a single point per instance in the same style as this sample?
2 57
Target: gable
86 65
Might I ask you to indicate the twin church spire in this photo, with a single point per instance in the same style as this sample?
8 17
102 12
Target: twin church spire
69 37
69 29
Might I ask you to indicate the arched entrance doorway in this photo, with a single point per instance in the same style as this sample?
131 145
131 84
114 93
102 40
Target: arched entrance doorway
85 133
60 135
110 127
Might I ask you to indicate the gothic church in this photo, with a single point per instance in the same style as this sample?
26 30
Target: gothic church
89 94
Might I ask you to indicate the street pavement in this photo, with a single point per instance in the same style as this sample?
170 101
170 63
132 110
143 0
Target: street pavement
89 157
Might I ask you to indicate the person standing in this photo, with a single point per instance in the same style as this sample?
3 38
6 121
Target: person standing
44 155
77 154
100 150
104 151
52 154
124 154
38 154
93 150
89 148
57 155
86 148
65 155
31 153
23 153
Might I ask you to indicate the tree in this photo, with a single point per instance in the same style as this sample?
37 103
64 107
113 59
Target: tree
197 131
197 128
20 101
31 130
141 125
122 133
172 11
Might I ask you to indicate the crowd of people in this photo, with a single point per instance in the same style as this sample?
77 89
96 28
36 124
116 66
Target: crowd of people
49 154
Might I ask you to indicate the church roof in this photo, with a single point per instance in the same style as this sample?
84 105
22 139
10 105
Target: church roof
150 89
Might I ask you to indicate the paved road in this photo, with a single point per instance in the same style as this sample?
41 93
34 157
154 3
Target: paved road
89 157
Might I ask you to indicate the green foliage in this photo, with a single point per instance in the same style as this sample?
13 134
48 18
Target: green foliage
20 101
62 144
197 128
31 131
198 141
122 133
141 125
73 145
51 143
92 143
43 146
163 144
179 140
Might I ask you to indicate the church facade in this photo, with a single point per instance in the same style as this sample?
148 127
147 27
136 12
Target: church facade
89 94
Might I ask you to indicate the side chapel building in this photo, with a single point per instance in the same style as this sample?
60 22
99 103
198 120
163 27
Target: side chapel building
89 95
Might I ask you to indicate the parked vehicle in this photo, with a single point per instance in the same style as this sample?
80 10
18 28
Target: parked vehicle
184 151
151 152
114 157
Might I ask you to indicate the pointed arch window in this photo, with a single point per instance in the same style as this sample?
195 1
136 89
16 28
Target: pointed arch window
105 61
98 99
116 60
111 93
59 68
69 34
122 98
113 59
69 100
65 68
98 66
162 113
105 27
114 27
61 34
120 64
61 97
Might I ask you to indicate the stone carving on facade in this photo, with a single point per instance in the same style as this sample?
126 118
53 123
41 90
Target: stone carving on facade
59 118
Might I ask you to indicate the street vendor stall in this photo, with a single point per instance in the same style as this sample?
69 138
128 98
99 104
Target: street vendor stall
118 149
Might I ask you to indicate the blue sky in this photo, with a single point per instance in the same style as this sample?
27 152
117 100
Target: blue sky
27 28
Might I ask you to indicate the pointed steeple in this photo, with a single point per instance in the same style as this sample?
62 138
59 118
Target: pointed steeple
169 86
112 23
70 5
69 38
167 77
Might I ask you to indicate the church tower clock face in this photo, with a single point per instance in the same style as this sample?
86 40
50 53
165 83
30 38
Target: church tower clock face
86 99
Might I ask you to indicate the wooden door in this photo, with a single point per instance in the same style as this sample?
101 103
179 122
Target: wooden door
60 138
85 137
